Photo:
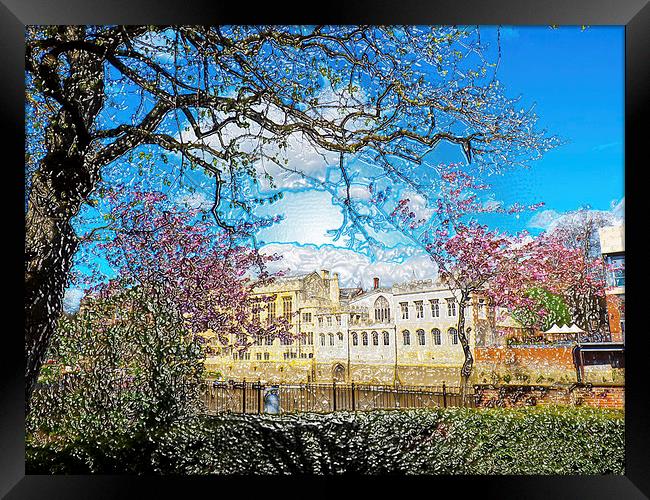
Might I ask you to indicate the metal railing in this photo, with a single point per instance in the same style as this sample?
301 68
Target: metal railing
256 397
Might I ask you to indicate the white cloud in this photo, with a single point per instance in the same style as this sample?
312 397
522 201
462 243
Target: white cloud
391 266
549 220
357 192
618 209
417 204
71 299
543 219
300 163
198 199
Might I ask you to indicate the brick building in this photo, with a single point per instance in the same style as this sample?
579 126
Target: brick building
612 245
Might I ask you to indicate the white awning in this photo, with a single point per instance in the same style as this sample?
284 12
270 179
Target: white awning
564 329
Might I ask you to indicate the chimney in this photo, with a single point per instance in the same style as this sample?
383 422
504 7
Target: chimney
376 283
334 288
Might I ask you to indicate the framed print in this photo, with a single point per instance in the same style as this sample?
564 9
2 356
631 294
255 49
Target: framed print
368 241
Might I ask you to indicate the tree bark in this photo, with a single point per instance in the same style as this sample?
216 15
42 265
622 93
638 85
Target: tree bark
57 190
468 364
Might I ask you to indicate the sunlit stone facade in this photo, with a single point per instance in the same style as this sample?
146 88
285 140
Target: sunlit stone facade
405 334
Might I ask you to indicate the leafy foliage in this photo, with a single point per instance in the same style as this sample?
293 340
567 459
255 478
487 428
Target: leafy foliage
547 309
124 362
552 440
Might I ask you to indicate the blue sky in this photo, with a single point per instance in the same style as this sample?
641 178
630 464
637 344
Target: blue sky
575 79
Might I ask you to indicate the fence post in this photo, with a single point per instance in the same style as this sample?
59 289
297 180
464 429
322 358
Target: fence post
444 395
243 397
353 401
259 396
334 395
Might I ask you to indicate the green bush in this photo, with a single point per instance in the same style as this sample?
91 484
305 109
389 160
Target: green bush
552 440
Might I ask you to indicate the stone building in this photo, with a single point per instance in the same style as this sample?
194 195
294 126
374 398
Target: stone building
402 334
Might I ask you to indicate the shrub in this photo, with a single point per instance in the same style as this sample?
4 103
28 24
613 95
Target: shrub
550 440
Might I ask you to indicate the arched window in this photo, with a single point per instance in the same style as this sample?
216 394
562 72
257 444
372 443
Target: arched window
382 310
453 333
355 338
375 338
407 337
386 338
437 339
331 338
322 339
422 340
340 336
364 338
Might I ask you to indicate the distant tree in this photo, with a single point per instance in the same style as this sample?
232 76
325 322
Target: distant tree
225 99
545 310
547 263
579 230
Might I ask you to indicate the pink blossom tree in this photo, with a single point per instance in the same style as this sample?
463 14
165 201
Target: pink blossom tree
469 262
569 272
205 273
470 257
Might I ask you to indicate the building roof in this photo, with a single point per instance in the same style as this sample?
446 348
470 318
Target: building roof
348 293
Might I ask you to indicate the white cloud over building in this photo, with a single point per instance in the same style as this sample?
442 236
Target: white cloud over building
393 265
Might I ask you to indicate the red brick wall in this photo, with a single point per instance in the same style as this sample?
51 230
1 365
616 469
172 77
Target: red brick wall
511 396
614 315
560 357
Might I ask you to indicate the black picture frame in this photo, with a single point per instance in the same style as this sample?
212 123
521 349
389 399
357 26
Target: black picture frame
16 14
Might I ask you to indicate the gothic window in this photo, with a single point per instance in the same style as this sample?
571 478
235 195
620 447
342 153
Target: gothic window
271 312
437 339
355 339
407 337
340 336
435 308
405 309
331 336
421 337
451 308
287 308
286 341
382 310
419 309
375 338
453 333
322 339
256 310
364 337
386 338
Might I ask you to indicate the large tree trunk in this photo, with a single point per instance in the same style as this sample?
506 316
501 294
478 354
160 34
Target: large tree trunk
57 190
466 369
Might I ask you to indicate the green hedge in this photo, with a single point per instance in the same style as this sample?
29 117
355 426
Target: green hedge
552 440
